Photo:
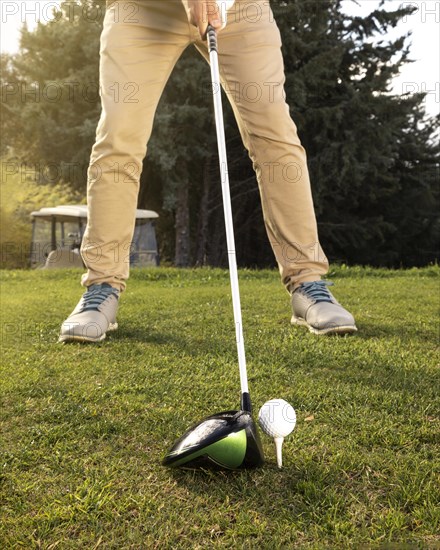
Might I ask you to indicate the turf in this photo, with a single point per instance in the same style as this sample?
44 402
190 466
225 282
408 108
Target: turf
84 427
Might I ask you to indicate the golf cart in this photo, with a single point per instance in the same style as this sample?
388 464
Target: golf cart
57 234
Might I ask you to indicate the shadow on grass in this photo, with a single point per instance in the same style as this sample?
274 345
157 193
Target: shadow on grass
295 489
375 329
236 484
337 357
145 335
182 339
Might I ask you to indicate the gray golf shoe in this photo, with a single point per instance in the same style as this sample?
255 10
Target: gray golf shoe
315 306
94 315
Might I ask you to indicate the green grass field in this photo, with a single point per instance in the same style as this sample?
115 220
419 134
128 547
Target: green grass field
84 427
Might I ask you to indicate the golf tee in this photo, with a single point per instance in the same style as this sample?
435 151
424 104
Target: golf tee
279 450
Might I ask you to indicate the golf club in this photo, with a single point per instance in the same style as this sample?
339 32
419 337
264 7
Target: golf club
227 440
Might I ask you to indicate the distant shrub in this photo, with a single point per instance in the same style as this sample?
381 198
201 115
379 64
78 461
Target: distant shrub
21 194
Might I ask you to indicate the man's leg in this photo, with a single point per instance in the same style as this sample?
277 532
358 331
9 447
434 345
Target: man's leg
252 71
140 44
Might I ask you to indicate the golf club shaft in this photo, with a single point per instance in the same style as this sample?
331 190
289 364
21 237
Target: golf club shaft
233 273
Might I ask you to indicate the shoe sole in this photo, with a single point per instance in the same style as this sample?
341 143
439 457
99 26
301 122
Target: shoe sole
341 329
72 338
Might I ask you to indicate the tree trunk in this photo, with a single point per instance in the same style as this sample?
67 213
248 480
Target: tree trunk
182 253
202 231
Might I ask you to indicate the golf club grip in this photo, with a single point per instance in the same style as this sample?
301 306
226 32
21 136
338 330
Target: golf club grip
212 38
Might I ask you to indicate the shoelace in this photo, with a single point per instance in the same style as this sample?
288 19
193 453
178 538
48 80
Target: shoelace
96 294
318 291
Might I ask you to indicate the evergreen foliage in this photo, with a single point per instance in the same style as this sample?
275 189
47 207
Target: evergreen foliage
373 165
52 105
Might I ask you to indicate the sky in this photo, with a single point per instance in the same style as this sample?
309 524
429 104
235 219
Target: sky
422 75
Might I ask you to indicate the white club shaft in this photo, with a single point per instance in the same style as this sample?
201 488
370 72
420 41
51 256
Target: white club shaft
233 273
279 449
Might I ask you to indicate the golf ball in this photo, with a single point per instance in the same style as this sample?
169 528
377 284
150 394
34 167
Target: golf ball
277 418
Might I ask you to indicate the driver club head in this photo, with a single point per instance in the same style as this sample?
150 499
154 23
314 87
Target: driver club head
226 440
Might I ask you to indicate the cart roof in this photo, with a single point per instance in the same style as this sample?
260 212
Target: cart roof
67 212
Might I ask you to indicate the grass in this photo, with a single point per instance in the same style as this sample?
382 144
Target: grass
84 427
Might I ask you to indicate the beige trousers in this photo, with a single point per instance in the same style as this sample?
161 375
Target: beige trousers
140 45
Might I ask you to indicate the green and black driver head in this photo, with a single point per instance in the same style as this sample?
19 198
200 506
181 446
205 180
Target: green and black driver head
227 440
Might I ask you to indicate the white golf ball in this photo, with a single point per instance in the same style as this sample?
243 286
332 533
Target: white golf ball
277 418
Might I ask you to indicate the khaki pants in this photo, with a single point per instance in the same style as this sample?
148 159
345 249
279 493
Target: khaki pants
140 45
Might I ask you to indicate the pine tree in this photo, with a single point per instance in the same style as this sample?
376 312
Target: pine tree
371 157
